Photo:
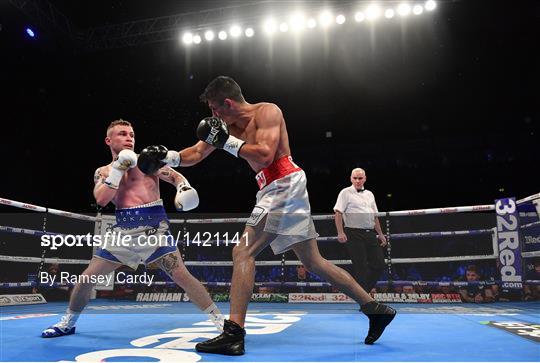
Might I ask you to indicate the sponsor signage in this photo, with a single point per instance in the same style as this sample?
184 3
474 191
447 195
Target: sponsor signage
23 299
319 298
508 242
257 297
529 213
156 296
523 329
417 298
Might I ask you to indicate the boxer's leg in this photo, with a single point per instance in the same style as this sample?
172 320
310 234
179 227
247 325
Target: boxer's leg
308 253
81 292
79 297
379 315
173 266
254 240
231 342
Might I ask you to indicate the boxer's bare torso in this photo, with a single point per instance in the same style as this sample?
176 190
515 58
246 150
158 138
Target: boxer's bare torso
135 189
260 125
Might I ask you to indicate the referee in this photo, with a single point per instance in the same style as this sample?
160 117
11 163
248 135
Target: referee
362 234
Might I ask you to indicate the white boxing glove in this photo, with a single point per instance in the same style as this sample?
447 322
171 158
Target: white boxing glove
127 159
186 197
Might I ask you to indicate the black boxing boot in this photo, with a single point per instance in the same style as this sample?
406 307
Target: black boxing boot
230 342
379 317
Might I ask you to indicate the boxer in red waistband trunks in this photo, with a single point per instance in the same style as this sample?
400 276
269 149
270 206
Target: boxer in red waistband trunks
281 217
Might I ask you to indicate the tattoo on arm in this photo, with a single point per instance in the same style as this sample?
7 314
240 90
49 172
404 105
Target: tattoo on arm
97 176
170 176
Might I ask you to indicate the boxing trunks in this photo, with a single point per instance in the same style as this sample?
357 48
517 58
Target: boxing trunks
149 238
283 200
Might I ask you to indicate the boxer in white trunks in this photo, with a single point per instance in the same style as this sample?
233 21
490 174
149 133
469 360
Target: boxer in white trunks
139 212
281 217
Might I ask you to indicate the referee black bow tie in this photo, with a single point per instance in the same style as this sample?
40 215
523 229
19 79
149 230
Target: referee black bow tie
360 190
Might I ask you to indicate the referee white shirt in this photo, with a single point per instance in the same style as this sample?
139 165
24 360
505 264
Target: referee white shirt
358 208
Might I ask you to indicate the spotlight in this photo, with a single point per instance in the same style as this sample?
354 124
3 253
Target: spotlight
418 9
249 32
209 35
359 17
30 32
187 38
283 27
389 13
222 35
373 12
404 9
235 31
197 39
311 23
297 21
270 26
325 19
430 5
340 19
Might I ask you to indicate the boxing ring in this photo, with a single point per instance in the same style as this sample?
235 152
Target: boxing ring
286 320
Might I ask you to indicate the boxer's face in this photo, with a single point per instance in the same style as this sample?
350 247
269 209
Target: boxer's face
224 110
120 137
358 179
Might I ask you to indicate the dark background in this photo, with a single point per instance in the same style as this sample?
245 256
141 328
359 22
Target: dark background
440 109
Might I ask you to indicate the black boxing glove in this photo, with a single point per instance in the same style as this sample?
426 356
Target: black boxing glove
153 158
214 131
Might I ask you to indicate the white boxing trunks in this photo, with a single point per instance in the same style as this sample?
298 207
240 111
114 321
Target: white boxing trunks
283 200
149 238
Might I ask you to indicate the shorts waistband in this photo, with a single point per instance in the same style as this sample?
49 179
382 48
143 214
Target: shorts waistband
150 214
278 169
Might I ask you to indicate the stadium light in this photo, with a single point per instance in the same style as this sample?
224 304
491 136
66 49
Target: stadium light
373 12
235 31
404 9
311 23
270 26
249 32
325 18
418 9
340 19
359 17
209 35
389 13
297 22
197 39
222 35
430 5
187 38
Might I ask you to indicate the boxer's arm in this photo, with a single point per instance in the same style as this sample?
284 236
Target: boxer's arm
103 193
171 176
195 154
264 149
186 197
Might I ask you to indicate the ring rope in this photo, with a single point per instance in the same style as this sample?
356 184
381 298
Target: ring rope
475 208
265 263
284 284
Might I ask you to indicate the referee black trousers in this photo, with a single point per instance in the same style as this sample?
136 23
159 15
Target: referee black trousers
367 256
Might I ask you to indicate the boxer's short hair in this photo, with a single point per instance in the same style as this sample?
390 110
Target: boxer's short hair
117 123
221 88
